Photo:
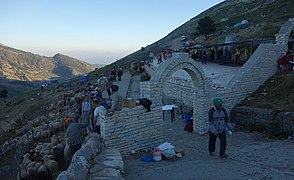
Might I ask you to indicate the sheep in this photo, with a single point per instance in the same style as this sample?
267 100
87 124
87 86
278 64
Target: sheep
56 126
54 140
30 168
67 153
38 165
43 171
51 165
22 173
26 159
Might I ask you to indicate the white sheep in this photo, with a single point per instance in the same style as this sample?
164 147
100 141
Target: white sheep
67 153
56 126
43 169
54 140
26 159
51 165
30 168
22 173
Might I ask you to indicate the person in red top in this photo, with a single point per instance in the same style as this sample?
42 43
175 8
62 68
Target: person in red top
284 61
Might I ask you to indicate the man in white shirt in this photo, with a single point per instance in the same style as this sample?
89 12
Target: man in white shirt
99 112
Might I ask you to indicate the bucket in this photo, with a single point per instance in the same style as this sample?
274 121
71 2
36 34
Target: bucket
157 155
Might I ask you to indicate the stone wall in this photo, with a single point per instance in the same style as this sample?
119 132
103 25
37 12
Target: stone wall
93 161
260 67
133 129
265 118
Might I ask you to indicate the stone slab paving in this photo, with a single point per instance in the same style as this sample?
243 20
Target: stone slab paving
219 74
123 85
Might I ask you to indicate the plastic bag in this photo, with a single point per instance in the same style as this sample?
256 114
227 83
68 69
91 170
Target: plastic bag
167 150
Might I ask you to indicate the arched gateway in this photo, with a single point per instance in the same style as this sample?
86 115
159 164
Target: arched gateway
246 81
199 94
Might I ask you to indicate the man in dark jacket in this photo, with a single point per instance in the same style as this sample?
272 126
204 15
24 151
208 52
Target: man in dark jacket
218 124
73 134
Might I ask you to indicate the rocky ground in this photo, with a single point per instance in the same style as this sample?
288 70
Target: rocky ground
251 156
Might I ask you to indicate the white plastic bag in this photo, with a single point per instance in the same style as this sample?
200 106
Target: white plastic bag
167 150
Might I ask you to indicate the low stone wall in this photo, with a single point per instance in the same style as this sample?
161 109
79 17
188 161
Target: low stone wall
265 118
133 129
80 162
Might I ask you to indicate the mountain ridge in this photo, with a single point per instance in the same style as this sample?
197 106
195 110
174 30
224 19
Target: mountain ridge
17 64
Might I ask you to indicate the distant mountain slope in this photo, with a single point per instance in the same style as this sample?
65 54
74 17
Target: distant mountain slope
20 65
98 65
66 66
265 18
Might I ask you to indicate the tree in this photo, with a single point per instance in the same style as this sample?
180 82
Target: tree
3 94
206 26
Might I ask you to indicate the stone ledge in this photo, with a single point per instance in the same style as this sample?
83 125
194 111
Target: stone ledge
108 165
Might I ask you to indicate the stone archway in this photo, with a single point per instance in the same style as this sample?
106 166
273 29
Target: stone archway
200 92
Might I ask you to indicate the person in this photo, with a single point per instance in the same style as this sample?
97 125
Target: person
237 55
204 57
212 54
247 53
86 107
108 86
116 99
159 59
98 113
226 57
284 62
220 55
218 124
119 74
113 75
73 133
151 57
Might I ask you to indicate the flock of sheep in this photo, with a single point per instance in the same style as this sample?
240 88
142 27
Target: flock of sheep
41 150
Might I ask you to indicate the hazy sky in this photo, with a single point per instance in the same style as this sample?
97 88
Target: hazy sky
104 29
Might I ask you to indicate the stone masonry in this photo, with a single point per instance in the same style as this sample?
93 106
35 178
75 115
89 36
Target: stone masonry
93 161
135 128
197 93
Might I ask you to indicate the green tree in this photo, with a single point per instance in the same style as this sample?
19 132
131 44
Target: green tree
206 26
3 94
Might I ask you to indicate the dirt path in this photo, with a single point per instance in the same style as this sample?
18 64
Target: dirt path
251 156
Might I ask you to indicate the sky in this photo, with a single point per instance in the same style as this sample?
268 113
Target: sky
95 31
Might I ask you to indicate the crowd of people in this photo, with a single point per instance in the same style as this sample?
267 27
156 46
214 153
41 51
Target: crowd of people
227 55
91 107
160 56
234 55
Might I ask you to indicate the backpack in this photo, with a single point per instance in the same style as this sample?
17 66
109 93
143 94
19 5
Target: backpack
189 127
146 103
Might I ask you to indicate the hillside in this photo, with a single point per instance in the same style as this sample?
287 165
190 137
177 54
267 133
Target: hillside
265 18
20 65
277 93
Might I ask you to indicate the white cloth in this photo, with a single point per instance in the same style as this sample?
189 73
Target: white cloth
99 112
168 107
